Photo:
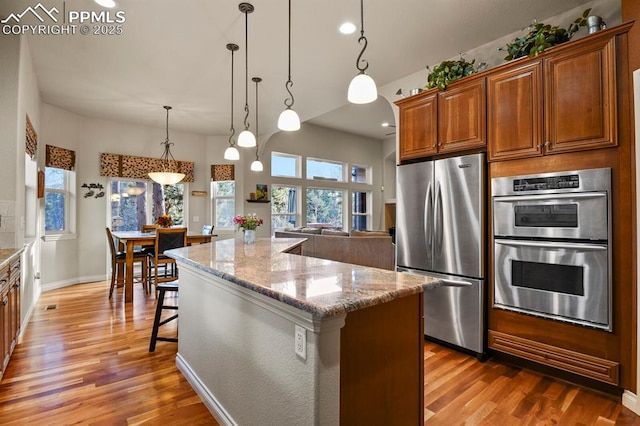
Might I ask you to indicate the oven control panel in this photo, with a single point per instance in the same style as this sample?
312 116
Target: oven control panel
544 183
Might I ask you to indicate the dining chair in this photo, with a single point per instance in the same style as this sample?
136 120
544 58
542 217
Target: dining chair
148 228
166 239
207 230
118 260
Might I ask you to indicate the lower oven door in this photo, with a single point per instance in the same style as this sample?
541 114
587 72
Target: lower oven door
564 281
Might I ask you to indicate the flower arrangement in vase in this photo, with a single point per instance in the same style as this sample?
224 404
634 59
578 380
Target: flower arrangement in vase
248 223
164 221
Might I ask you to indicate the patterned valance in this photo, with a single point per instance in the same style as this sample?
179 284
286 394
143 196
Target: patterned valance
127 166
32 140
60 158
222 172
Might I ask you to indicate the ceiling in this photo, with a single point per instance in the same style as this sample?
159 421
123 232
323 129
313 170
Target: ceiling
173 53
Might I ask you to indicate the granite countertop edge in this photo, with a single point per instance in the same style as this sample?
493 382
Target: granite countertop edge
8 255
339 308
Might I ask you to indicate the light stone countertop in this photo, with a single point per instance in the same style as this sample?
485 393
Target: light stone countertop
9 255
321 287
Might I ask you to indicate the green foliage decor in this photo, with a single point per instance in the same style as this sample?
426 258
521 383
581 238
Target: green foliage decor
541 37
448 71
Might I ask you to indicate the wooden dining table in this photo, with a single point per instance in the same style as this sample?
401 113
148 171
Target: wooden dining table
128 239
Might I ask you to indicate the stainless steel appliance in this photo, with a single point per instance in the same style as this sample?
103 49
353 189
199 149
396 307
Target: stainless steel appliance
551 245
440 232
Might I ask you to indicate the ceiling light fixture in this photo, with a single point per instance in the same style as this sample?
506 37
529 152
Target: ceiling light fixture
289 120
106 3
246 139
256 165
168 175
232 153
347 28
362 88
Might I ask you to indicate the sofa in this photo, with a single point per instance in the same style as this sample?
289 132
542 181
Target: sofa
366 248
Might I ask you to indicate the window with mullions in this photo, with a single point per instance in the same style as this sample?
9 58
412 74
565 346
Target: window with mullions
224 203
57 200
285 165
360 210
325 170
284 207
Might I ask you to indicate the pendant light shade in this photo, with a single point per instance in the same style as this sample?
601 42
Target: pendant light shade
362 88
232 153
256 165
289 120
169 174
246 139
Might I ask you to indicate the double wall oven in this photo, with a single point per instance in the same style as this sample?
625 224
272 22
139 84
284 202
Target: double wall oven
552 248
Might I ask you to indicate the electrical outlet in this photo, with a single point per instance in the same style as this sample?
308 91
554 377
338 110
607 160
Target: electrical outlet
196 218
301 342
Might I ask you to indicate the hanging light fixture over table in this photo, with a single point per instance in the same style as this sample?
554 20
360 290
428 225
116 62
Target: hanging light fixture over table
289 120
232 153
246 139
362 88
169 174
256 165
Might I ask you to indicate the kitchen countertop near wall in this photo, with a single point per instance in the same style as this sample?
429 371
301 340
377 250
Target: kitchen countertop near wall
8 255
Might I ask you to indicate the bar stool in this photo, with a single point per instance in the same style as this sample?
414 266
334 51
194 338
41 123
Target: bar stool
160 306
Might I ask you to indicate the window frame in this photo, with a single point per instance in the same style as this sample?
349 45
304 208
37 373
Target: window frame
69 190
298 204
215 197
342 164
344 192
369 207
298 165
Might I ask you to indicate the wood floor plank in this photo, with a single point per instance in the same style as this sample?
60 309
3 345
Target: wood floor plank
87 362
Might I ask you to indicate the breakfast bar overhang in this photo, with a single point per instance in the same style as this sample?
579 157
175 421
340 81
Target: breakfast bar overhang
271 337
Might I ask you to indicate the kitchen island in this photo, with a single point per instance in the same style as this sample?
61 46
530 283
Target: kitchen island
271 337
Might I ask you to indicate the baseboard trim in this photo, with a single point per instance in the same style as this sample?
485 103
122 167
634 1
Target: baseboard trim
29 314
72 281
207 397
630 400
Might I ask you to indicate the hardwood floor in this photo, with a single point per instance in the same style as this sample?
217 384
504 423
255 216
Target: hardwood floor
87 362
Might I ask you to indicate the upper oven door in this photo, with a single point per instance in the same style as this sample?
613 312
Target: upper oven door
575 215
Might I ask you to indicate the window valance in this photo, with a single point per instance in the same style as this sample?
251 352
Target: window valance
222 172
31 141
127 166
60 158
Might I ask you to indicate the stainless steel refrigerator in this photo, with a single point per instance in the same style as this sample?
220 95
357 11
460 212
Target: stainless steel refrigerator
440 232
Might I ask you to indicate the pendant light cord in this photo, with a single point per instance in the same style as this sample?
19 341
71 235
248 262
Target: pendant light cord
360 40
232 47
289 84
246 69
257 80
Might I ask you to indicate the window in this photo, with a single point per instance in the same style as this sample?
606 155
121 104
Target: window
224 203
324 207
285 165
284 207
57 200
360 208
135 203
325 170
361 174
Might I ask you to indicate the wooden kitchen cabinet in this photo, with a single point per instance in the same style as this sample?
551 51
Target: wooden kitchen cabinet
418 125
9 311
563 101
462 115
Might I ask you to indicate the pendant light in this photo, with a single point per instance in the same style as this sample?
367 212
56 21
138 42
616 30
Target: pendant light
232 153
169 174
246 139
256 166
289 120
362 88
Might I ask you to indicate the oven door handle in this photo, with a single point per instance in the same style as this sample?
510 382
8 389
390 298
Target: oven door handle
454 283
578 195
555 245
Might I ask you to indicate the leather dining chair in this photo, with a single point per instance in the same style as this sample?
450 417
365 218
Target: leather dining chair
166 239
118 259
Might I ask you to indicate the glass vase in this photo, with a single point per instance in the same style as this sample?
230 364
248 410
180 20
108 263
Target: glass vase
249 236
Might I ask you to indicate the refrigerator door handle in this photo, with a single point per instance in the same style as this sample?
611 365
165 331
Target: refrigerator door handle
428 213
455 283
437 227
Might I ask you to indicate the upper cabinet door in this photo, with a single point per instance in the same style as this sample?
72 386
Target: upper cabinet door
580 97
418 126
514 112
462 116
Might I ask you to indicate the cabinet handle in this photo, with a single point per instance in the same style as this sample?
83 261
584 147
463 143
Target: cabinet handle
540 146
547 144
5 301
